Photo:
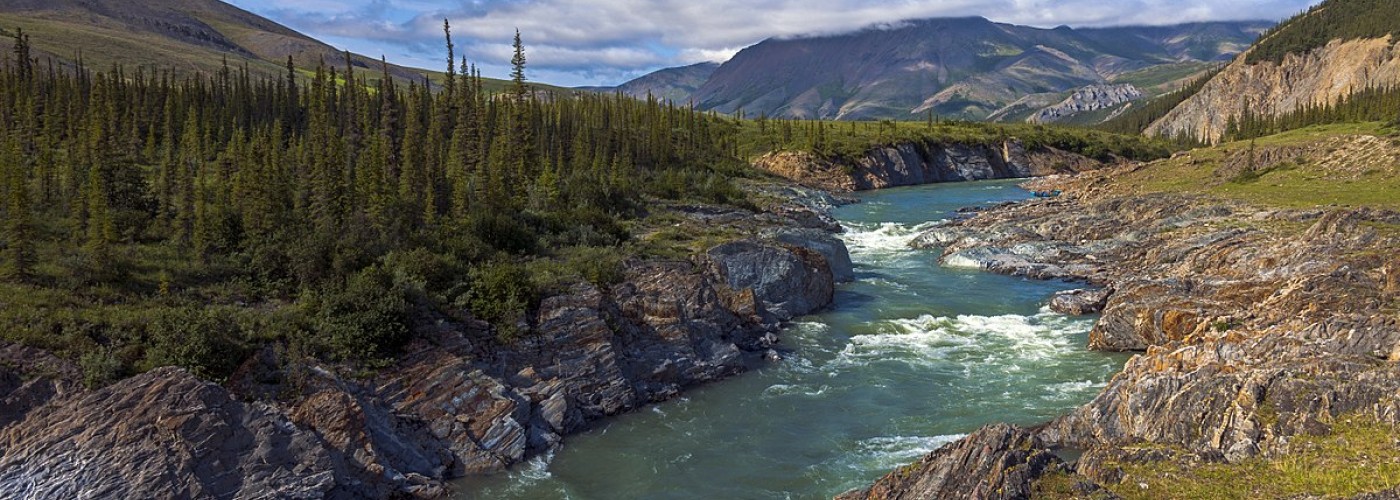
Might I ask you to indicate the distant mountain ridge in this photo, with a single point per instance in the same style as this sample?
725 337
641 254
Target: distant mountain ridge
955 67
673 84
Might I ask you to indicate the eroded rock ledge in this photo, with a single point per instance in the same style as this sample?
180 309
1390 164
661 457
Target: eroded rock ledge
458 401
1252 325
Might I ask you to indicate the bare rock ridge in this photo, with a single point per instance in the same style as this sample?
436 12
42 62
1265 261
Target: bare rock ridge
1247 335
1322 76
1091 98
458 401
909 163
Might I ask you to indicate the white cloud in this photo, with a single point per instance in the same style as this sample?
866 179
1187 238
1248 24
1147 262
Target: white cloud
627 37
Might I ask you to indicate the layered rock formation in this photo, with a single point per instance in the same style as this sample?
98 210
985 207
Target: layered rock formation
458 401
1322 76
996 462
1250 330
1091 98
910 164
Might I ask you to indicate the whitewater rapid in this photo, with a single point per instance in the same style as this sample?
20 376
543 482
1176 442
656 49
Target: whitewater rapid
913 356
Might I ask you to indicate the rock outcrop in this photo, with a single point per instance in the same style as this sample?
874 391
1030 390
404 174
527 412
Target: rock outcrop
1080 302
458 401
909 164
1249 330
1322 76
996 462
163 434
1091 98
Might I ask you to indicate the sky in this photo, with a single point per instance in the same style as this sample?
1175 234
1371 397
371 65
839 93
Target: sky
607 42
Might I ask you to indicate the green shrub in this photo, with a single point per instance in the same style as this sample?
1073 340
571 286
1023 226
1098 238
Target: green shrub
600 266
205 341
501 293
506 232
365 321
100 368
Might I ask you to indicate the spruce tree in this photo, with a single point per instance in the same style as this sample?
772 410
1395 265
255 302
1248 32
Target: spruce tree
17 261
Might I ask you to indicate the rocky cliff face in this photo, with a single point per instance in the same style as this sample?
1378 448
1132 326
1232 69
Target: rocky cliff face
1322 76
1249 331
1091 98
910 164
458 402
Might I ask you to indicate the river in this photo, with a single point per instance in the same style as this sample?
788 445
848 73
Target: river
912 356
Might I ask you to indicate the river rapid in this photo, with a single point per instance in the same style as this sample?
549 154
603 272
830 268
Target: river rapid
912 356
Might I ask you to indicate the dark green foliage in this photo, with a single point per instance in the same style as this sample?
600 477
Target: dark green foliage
100 368
366 320
1327 21
337 189
501 292
206 341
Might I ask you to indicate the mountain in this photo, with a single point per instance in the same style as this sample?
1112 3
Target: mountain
674 84
184 36
961 67
1334 50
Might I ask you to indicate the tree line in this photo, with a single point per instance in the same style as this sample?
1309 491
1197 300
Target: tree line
1374 104
1325 22
334 191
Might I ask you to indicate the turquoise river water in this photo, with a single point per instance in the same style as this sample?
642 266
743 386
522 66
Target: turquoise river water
912 356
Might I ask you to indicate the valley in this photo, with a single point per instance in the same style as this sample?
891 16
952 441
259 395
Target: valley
926 258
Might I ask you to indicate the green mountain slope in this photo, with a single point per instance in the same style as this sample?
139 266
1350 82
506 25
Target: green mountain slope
185 36
674 84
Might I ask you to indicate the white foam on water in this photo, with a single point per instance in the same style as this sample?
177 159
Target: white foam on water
779 390
888 452
528 475
960 261
881 240
1074 389
1006 341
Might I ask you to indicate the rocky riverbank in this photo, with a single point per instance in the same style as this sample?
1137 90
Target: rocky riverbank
459 400
915 163
1256 327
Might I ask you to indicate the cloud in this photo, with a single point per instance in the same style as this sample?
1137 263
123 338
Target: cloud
584 41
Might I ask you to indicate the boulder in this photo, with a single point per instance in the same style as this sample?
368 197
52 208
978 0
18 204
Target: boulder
997 461
837 256
1080 302
789 281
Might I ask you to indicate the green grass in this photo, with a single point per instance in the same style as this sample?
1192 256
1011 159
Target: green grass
1289 185
1360 455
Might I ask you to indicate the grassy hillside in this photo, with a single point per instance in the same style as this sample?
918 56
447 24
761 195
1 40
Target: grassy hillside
1349 165
184 37
1355 458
